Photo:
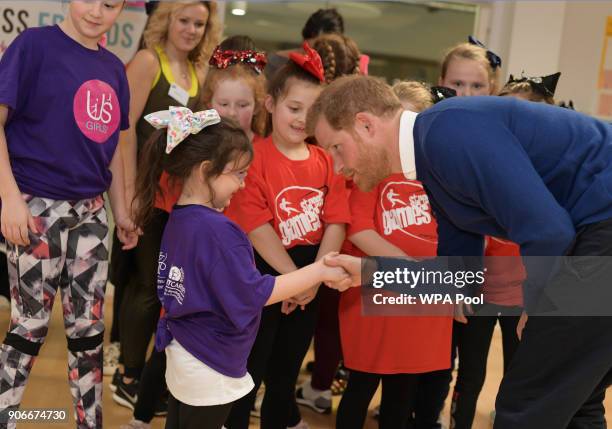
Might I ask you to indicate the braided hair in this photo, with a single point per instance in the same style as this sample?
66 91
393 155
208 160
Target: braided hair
339 54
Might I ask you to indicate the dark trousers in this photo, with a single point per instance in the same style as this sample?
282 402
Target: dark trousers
558 376
121 262
397 402
327 348
151 387
140 306
474 342
183 416
276 357
431 394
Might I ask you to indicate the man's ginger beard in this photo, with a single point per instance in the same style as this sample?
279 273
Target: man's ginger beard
371 167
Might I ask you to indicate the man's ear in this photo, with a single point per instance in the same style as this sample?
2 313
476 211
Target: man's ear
366 124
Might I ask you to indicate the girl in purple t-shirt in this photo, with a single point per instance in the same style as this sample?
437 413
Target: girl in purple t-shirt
63 100
211 292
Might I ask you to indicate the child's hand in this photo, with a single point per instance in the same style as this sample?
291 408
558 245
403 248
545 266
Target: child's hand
351 266
16 219
127 233
521 325
288 306
335 277
304 298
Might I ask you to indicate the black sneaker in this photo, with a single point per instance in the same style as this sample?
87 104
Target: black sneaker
126 394
161 408
115 381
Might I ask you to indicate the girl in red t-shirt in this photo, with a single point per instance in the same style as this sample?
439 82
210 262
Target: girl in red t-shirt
394 219
294 209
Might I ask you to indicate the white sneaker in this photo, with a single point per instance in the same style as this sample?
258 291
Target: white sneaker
318 400
111 358
136 424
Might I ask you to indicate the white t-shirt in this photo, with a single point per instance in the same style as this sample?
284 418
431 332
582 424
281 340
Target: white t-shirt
194 383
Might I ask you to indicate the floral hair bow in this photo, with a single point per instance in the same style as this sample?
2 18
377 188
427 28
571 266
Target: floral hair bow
181 122
493 58
311 61
222 59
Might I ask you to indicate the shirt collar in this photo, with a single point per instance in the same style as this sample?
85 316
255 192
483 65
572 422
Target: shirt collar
406 144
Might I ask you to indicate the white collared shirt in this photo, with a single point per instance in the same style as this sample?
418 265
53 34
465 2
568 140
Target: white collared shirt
406 144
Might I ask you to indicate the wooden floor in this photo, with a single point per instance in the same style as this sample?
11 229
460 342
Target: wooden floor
48 386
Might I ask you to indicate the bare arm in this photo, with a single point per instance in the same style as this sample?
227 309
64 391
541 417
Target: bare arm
125 227
295 282
141 74
268 245
332 240
15 216
373 244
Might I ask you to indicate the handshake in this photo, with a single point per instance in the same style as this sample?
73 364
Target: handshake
337 271
340 272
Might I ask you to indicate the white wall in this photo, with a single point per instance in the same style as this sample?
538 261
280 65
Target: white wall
543 37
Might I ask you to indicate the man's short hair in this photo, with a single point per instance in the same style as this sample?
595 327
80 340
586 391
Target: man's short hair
347 96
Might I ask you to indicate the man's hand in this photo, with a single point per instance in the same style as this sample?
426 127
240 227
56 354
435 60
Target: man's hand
350 264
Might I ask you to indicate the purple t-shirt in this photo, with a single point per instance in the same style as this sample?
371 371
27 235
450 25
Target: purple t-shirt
67 104
210 290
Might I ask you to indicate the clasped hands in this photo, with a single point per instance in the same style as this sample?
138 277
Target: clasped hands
338 272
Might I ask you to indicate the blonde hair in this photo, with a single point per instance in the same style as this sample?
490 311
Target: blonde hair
257 83
340 102
468 51
416 93
524 88
156 33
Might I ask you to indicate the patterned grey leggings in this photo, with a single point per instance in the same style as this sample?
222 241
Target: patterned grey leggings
70 253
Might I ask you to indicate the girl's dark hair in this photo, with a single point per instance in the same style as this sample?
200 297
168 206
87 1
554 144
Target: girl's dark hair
219 144
323 21
277 86
238 43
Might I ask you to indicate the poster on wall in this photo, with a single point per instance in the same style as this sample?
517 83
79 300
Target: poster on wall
17 15
604 98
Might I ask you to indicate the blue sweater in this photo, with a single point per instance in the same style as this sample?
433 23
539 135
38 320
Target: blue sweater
528 172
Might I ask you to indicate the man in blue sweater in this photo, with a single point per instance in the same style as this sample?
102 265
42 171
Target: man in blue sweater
535 174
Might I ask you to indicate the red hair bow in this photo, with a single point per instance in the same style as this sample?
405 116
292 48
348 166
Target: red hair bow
223 59
311 62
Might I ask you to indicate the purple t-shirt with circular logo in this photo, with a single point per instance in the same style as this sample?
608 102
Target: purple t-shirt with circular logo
67 104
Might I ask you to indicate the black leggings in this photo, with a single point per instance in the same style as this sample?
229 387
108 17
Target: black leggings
183 416
276 357
151 387
397 404
474 342
140 306
120 266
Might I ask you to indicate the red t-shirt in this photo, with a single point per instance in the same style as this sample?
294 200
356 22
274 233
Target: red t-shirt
398 209
505 273
169 194
297 197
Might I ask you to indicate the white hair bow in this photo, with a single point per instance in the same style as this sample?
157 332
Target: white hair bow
181 122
